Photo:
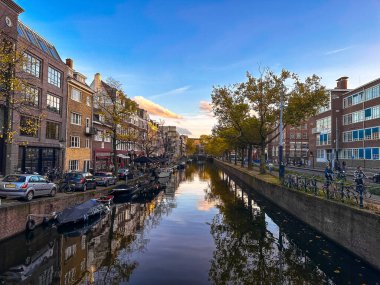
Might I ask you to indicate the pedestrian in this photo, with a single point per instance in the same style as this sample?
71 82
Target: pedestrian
328 175
344 166
359 176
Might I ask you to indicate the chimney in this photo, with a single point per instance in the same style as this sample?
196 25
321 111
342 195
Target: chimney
342 83
97 81
69 62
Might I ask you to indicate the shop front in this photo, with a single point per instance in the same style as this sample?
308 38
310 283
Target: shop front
38 159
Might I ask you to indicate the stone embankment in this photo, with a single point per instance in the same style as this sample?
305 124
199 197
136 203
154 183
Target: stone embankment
355 229
13 217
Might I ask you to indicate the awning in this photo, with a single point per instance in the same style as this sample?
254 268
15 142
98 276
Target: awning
122 155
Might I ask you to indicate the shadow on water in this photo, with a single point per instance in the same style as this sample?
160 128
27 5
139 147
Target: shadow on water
252 242
257 241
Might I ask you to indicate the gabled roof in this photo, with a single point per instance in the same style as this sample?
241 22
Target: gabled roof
37 41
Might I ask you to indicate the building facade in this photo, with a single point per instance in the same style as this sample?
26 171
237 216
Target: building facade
43 76
79 126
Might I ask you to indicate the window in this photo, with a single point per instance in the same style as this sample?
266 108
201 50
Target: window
87 145
375 153
53 103
320 153
52 130
76 119
31 95
367 133
87 122
42 44
347 136
73 165
298 135
86 165
54 77
29 126
32 65
375 133
99 136
76 95
88 101
74 141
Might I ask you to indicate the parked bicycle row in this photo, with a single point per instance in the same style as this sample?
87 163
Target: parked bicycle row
332 186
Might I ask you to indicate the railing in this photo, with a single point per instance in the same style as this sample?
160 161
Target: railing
90 131
338 190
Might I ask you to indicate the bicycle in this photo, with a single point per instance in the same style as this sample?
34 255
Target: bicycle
311 185
326 188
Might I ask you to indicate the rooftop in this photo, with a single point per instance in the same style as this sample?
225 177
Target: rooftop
36 40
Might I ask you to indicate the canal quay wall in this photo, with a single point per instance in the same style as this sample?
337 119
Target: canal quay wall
13 217
355 229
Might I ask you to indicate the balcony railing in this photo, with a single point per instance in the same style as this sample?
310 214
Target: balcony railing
90 131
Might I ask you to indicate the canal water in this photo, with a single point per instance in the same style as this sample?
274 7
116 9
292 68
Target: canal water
205 229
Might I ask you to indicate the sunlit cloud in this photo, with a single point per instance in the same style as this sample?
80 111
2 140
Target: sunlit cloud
155 109
205 106
176 91
338 50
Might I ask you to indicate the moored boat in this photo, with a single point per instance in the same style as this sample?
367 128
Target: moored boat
125 190
81 212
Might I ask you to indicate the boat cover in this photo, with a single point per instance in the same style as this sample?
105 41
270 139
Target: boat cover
80 211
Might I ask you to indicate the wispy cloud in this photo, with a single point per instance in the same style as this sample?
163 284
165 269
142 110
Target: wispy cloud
176 91
206 108
155 109
334 51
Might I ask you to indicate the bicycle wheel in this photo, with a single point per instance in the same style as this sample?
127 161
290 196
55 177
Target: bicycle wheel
352 194
366 193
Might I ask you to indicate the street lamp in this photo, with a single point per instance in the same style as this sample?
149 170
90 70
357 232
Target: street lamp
281 169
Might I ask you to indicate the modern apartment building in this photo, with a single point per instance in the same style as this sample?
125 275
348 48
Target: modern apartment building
360 113
44 78
79 126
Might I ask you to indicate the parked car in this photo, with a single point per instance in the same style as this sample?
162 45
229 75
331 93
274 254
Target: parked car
26 186
123 172
376 178
105 178
80 180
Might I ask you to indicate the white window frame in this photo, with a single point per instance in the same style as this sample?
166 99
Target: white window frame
76 95
76 119
75 141
73 165
87 143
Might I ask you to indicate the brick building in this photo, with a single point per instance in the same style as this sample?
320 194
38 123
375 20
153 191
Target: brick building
79 125
44 75
326 127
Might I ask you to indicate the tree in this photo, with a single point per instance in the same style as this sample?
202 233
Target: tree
150 143
116 108
258 99
16 95
190 147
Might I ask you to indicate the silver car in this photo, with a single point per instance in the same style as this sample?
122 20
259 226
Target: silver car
26 186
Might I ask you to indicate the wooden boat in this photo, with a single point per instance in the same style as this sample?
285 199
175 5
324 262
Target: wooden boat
163 173
81 212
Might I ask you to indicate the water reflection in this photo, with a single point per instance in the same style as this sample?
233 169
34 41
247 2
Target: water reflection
204 229
257 242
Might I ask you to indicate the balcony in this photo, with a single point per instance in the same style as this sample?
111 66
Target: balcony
90 131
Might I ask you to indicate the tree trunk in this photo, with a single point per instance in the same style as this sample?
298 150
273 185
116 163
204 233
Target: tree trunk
262 159
242 156
250 149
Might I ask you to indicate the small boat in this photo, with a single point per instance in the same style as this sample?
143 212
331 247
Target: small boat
182 165
81 212
125 190
163 173
106 199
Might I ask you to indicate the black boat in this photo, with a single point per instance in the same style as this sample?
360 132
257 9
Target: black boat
81 213
128 190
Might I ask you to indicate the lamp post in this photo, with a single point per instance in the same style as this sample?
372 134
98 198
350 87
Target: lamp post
281 168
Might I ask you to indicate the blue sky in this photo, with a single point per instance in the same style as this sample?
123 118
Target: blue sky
171 52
